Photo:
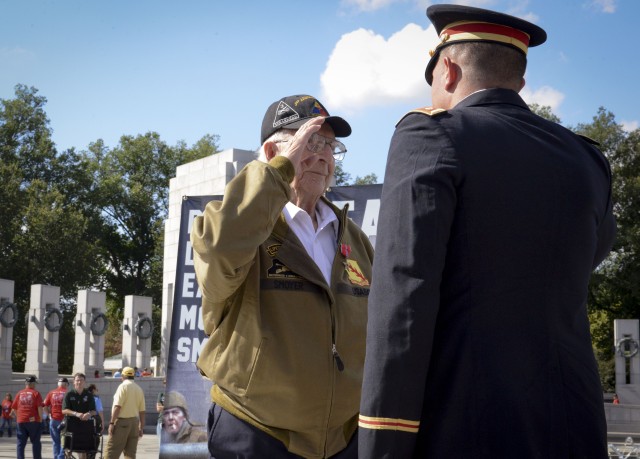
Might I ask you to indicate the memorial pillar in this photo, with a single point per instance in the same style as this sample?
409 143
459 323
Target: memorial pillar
90 326
626 335
137 332
44 322
8 318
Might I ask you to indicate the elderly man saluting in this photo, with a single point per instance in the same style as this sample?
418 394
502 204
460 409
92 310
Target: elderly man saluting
284 276
127 417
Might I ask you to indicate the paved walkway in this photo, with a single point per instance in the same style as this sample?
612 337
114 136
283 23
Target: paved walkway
148 447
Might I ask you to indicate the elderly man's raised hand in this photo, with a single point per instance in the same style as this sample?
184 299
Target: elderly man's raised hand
296 150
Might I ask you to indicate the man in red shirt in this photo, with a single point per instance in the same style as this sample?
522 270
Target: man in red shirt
53 403
28 408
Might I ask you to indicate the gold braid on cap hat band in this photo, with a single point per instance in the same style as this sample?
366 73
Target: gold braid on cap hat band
482 31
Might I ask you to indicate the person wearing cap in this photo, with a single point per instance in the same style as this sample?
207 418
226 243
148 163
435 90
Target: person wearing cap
127 418
177 428
78 405
491 221
284 276
27 406
53 404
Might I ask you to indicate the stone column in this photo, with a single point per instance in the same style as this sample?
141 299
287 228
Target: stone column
8 317
137 332
44 321
627 341
90 325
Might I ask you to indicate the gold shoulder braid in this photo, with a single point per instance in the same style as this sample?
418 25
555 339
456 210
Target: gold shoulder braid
429 111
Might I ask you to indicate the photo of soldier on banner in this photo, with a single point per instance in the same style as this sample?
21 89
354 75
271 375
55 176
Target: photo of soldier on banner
184 423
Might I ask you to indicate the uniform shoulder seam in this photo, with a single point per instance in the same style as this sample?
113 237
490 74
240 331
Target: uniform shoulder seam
589 139
429 111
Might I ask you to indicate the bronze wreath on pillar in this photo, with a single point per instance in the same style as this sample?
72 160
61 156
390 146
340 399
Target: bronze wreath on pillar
48 320
8 322
627 347
144 327
98 318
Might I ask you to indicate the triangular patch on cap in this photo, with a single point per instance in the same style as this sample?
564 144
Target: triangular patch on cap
283 116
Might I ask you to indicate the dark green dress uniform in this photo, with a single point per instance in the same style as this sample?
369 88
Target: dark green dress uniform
478 345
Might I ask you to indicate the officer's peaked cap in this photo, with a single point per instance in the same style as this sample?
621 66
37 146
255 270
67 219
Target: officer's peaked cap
458 24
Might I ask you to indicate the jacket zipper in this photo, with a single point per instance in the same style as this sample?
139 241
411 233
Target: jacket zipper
337 358
334 350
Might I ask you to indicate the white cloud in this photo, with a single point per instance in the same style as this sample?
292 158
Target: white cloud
519 9
369 5
606 6
544 96
15 52
630 126
476 3
373 5
364 69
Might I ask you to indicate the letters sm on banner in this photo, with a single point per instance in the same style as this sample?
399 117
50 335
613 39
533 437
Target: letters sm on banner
187 330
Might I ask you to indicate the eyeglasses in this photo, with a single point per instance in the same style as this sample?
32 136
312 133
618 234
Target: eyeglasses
317 142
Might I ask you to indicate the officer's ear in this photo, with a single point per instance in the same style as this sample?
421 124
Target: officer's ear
452 73
522 83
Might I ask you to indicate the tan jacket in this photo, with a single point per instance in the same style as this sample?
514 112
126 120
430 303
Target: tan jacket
277 332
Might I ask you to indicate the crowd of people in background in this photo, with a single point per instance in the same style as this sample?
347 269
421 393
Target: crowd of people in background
30 416
27 413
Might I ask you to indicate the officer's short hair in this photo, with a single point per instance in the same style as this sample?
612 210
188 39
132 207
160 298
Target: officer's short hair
489 63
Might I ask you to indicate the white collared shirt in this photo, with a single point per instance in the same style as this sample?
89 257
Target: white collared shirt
320 244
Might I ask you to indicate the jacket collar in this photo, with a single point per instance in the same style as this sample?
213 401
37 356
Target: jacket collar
492 96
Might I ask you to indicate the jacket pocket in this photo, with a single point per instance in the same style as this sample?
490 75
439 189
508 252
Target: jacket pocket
257 365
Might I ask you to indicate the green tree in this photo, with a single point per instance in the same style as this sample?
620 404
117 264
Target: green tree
614 291
44 235
370 179
545 112
343 178
82 220
130 203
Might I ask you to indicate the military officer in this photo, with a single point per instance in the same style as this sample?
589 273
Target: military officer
491 221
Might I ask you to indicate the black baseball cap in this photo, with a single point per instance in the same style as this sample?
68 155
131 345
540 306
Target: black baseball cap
460 24
63 380
293 111
31 379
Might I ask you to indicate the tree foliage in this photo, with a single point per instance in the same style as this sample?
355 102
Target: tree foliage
130 201
343 178
88 220
614 291
545 112
44 234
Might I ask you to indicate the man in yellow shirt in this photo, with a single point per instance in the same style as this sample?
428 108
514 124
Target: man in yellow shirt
127 418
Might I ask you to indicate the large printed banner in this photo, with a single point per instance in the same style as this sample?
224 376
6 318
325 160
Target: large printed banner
187 330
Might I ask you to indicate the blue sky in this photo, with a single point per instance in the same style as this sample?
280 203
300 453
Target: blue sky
190 68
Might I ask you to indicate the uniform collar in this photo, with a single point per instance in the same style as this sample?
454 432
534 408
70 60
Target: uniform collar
492 96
